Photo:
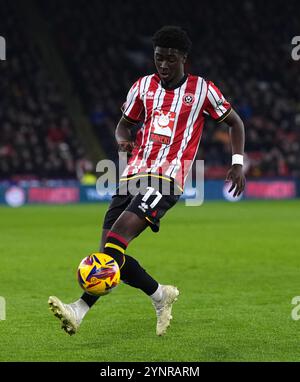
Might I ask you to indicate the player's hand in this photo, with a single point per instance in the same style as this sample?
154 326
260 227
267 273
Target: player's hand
126 146
236 176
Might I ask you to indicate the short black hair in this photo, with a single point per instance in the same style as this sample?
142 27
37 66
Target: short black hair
171 36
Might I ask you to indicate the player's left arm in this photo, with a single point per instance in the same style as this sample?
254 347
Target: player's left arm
237 135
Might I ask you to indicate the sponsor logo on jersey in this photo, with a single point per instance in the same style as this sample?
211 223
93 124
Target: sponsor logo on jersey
220 102
162 125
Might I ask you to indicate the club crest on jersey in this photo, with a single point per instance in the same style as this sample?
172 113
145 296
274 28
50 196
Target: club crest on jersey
188 99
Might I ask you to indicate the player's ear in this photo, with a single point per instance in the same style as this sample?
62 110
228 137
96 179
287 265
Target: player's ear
184 58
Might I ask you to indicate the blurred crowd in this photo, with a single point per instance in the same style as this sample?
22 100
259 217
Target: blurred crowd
37 138
244 47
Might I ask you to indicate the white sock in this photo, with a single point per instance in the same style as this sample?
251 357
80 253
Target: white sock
158 294
81 308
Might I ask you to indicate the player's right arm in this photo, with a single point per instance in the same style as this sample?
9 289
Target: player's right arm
132 114
123 134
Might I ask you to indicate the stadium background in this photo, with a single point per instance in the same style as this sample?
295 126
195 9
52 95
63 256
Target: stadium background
68 67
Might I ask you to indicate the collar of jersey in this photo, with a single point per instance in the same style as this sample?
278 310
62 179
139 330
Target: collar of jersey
182 81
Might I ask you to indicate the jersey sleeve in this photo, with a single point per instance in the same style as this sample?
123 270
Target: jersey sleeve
215 104
133 107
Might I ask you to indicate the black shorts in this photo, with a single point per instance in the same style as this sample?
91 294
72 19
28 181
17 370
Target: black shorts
148 196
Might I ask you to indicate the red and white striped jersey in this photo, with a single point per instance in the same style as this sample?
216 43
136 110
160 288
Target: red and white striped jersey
173 120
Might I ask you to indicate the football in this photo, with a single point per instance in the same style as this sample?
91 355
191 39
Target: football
98 274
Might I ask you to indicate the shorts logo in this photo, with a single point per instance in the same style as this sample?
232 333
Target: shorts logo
143 206
188 99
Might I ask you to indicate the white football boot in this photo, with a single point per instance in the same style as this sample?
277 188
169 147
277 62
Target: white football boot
66 313
163 308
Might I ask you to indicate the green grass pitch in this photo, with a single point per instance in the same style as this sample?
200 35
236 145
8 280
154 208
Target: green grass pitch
236 265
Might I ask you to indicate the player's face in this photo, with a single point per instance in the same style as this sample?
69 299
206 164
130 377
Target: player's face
169 63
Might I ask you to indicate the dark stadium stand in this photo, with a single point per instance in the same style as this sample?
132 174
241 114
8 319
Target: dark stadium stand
37 139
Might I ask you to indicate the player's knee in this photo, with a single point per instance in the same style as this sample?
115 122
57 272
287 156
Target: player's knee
129 226
123 229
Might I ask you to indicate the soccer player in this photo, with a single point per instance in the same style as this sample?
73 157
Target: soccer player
172 106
